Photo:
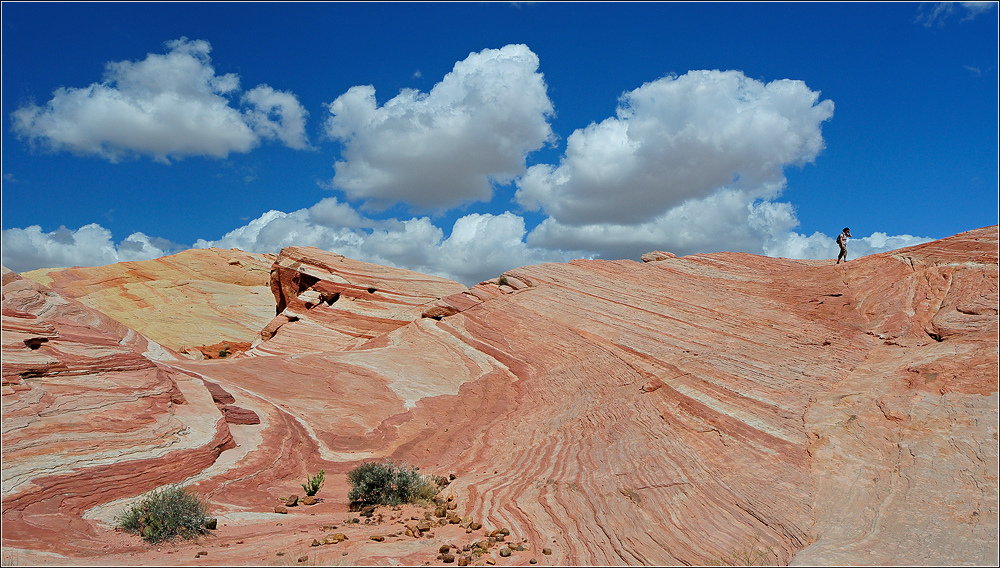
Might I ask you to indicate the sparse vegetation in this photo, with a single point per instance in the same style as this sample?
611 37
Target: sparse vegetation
165 514
312 484
503 281
388 484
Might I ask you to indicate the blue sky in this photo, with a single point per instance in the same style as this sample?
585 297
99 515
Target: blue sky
465 139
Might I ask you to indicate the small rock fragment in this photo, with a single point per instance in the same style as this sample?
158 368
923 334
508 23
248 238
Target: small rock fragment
377 537
546 551
505 552
281 509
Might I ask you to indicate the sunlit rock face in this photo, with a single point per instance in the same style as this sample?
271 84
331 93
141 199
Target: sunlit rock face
92 412
717 408
199 297
329 302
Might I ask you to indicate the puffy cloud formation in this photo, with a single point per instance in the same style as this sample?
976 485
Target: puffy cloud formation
480 246
726 220
689 164
820 246
445 147
90 245
680 138
165 106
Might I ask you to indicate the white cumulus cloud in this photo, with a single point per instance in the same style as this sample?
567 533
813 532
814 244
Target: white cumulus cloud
90 245
680 138
166 106
480 246
446 147
819 246
727 220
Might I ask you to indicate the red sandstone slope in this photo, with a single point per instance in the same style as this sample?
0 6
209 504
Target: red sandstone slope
685 410
92 412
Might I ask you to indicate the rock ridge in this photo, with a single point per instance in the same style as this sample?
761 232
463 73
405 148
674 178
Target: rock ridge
696 410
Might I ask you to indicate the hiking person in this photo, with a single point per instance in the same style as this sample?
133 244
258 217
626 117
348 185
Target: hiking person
842 242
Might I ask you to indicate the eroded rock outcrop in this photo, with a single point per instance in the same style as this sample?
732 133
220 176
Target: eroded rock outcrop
199 297
338 303
91 414
691 410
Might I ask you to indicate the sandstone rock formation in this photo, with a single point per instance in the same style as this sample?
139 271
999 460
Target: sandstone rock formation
193 298
329 302
92 412
714 408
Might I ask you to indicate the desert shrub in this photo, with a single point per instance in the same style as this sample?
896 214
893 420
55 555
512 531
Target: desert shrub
503 281
312 484
164 514
386 483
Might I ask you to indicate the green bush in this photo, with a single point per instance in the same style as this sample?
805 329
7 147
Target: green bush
312 484
387 484
164 514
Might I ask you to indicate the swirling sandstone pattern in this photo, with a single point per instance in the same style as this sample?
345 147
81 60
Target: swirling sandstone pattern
697 410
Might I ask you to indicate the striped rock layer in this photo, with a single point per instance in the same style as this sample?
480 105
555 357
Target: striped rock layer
187 300
716 408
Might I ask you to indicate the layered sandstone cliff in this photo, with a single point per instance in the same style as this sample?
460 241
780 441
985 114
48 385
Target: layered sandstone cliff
708 409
